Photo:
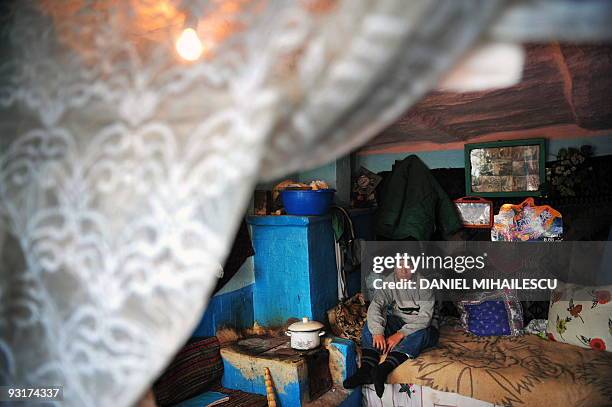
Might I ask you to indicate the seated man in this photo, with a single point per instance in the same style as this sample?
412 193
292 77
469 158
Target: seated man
402 332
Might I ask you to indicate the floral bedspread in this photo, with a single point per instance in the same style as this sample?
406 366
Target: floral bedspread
512 371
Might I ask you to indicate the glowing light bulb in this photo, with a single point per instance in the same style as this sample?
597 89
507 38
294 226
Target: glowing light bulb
188 45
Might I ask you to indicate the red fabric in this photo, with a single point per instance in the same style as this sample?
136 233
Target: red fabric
196 368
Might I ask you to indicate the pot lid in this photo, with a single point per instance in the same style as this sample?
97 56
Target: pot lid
305 325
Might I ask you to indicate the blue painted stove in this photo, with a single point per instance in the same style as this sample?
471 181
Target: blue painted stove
295 268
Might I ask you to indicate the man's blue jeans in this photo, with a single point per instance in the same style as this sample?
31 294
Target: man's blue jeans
412 345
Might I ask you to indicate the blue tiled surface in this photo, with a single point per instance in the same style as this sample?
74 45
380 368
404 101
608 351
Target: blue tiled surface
233 309
295 268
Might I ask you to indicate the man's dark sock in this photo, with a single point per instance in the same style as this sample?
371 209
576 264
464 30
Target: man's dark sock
363 375
393 360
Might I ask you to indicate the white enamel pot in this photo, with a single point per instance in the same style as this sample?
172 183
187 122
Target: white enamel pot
306 334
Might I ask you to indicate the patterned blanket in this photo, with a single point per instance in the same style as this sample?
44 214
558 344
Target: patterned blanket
512 371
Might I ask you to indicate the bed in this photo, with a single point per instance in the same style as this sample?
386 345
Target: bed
504 371
414 395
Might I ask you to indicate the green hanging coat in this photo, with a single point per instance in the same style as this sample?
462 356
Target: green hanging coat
414 205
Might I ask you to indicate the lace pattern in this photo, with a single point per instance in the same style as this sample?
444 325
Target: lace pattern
124 170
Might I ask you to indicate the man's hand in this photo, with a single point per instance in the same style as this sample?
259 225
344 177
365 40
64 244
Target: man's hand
393 340
379 342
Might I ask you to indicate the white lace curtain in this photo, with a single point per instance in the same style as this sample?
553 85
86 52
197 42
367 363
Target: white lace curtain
124 169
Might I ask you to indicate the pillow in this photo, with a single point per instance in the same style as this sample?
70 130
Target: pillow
348 318
488 318
194 369
496 313
581 316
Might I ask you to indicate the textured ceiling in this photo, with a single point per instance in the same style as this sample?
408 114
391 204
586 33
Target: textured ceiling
566 90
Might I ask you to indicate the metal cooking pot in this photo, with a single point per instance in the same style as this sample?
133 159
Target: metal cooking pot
306 334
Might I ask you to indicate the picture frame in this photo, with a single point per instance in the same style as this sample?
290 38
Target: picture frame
506 168
475 212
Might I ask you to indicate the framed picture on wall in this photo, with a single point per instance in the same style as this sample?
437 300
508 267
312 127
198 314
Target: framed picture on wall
505 168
